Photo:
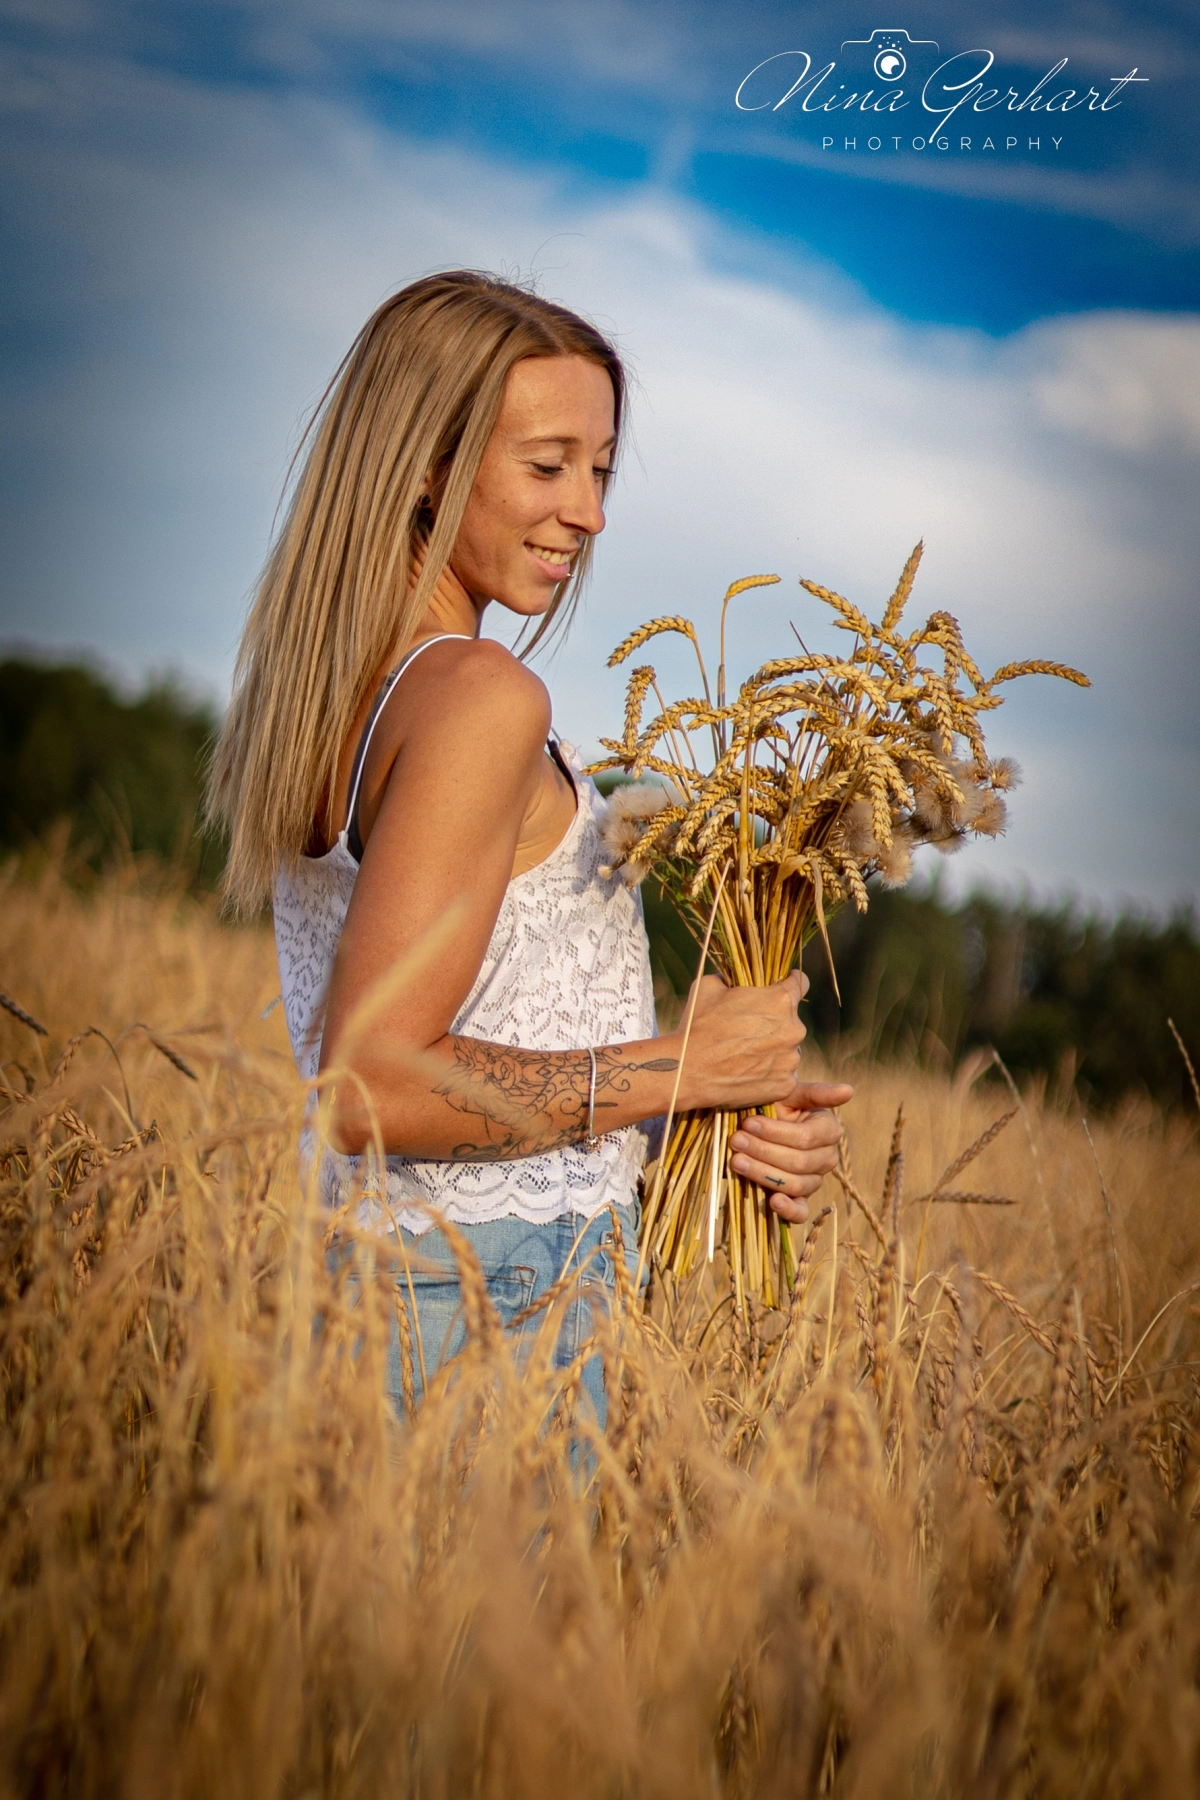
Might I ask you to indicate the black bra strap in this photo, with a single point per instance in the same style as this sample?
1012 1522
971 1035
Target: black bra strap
560 760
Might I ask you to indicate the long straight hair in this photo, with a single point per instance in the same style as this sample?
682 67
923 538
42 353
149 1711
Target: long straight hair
408 413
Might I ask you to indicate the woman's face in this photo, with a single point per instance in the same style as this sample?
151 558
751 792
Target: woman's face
536 498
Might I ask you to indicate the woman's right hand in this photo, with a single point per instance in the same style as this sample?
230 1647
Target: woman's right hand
743 1048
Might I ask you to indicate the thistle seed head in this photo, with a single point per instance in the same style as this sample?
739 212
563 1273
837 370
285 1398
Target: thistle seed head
991 818
855 832
622 825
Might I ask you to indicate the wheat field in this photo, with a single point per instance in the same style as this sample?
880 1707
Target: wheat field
928 1530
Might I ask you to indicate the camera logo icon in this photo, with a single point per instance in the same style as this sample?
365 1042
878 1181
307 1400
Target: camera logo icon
889 45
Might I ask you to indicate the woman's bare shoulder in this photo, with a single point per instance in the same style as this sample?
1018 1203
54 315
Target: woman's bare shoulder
464 707
476 685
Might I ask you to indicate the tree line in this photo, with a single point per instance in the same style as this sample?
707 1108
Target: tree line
1059 992
118 776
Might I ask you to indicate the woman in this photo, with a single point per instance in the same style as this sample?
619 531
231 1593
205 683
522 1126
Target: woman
447 940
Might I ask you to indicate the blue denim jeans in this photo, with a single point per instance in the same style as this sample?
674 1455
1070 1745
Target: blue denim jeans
519 1262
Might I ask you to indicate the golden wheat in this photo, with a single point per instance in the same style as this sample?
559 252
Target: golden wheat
931 1531
778 807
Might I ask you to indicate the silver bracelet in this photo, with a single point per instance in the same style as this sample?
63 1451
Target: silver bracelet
590 1141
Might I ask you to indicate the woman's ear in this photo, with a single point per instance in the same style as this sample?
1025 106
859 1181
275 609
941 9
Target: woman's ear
433 486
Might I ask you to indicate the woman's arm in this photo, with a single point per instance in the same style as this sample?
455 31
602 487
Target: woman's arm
466 748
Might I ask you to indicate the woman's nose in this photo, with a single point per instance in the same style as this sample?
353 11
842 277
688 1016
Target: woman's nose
582 510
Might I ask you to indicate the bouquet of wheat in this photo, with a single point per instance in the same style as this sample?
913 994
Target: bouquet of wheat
768 811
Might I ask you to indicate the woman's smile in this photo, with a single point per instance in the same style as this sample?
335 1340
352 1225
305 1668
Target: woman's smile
557 563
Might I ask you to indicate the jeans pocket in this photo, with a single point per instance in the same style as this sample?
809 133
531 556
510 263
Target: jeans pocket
510 1291
440 1314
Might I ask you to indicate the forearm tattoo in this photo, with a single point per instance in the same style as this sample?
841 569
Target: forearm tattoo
529 1101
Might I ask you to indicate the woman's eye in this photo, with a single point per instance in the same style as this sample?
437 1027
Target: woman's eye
559 468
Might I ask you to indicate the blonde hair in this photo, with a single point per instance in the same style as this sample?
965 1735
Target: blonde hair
408 413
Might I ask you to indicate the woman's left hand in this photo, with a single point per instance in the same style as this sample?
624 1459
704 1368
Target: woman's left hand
791 1154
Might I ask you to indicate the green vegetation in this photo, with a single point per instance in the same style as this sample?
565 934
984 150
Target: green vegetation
1058 992
124 775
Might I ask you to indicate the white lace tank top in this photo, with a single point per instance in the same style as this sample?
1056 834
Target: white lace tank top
567 966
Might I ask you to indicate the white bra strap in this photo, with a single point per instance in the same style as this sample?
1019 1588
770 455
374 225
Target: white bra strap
384 695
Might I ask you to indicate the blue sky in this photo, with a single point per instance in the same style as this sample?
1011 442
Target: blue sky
837 349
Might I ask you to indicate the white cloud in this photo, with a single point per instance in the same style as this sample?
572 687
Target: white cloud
219 265
1127 381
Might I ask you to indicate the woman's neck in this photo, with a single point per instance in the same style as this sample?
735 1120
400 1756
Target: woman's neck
450 609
